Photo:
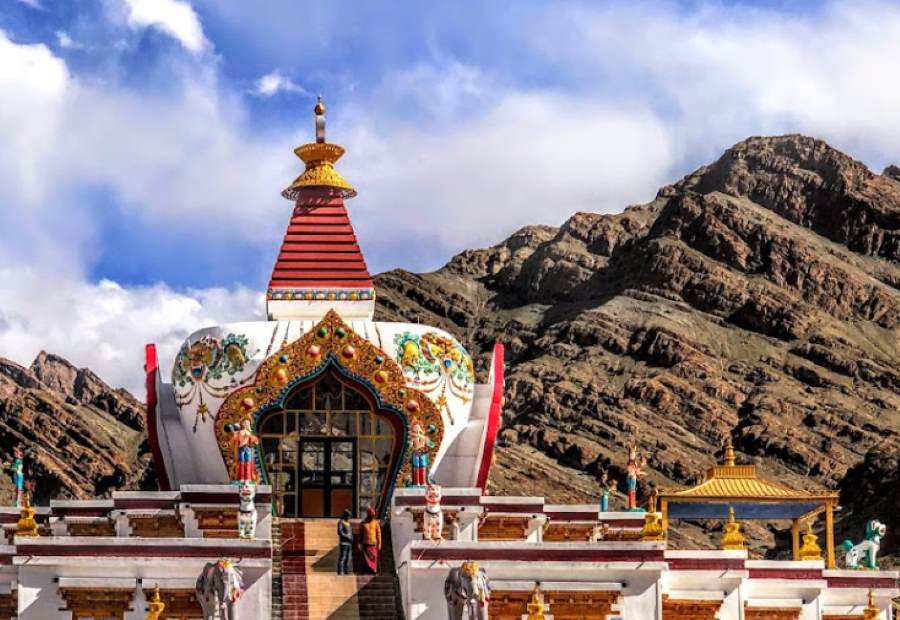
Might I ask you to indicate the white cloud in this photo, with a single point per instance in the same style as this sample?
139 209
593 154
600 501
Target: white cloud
275 82
105 326
724 72
34 4
445 155
67 42
174 17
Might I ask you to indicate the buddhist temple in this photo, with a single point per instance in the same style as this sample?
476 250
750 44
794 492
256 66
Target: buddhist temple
281 445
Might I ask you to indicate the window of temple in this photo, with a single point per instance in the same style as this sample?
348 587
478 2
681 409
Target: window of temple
181 603
690 609
562 604
771 613
97 603
327 450
8 605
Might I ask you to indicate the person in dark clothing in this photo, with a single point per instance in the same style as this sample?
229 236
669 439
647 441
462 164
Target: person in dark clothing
345 537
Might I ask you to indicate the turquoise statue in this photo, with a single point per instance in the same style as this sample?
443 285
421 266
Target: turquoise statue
606 489
866 551
634 470
18 475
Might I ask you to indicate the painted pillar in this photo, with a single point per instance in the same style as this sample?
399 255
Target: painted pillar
795 538
829 534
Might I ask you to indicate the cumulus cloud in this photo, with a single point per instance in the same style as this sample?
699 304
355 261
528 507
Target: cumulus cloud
34 4
446 155
105 326
176 18
275 82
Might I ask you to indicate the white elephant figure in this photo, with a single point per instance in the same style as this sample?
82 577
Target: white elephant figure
218 588
468 592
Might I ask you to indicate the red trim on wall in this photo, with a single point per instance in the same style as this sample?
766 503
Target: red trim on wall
538 555
861 582
151 367
141 551
717 564
780 573
494 417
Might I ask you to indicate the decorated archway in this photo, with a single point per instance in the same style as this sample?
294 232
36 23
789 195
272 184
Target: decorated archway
332 349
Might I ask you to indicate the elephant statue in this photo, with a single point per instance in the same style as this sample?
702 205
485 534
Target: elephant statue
468 592
218 588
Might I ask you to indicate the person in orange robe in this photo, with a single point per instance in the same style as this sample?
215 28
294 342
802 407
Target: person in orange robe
371 540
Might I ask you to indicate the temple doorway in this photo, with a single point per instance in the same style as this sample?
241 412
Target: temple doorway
327 450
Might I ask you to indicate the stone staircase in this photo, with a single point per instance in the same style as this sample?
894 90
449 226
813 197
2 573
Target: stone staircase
307 555
277 585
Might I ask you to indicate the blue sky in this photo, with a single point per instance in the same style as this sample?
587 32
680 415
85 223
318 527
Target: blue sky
146 141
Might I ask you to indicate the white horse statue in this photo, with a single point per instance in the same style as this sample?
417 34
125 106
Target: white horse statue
218 588
867 550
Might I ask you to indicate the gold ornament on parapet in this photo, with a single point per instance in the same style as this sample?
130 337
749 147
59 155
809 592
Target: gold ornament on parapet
332 339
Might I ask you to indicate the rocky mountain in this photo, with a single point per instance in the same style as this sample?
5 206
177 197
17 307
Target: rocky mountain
81 438
757 298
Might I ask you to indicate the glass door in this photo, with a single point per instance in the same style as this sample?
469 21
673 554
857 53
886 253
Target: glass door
326 475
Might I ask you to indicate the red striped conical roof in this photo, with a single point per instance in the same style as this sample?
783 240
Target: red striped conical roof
319 252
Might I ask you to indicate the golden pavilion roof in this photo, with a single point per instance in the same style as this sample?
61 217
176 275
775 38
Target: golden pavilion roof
752 497
319 158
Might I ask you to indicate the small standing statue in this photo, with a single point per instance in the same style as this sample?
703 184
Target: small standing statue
468 592
634 470
607 488
536 605
867 550
433 519
247 516
155 607
244 442
419 444
18 475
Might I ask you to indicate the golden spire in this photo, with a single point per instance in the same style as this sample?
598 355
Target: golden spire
26 525
810 549
536 605
319 157
871 612
729 452
732 539
156 606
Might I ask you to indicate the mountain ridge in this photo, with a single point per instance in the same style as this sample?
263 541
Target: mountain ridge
754 298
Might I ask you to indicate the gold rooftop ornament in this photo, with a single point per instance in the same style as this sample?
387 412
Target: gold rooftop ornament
652 530
319 157
810 549
536 604
871 612
156 606
732 539
27 526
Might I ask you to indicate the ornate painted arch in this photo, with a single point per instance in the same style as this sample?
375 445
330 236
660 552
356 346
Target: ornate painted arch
331 343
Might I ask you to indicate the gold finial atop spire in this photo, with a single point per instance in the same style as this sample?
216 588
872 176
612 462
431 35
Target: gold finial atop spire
27 526
732 539
319 157
729 452
871 612
810 549
156 606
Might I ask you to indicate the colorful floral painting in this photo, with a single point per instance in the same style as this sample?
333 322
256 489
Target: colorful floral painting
206 360
435 363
